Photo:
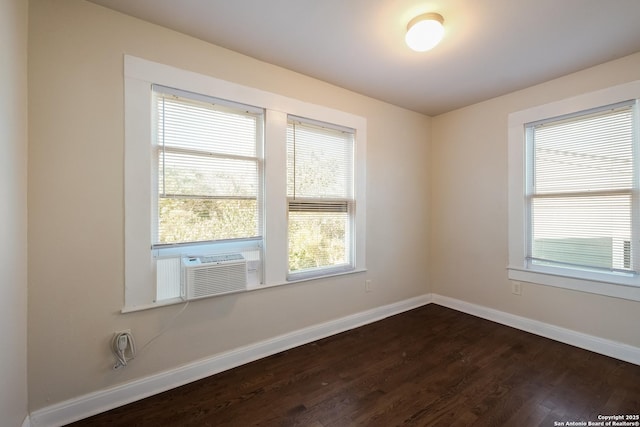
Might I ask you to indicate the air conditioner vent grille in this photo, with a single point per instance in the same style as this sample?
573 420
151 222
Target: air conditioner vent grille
214 275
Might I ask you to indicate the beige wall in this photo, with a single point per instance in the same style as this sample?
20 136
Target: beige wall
436 183
468 204
13 212
76 207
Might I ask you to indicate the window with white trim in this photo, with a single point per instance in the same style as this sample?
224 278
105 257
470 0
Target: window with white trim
207 181
581 189
574 208
320 198
206 175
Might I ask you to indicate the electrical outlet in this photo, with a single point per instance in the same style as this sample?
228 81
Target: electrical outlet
122 347
367 285
516 288
120 339
124 331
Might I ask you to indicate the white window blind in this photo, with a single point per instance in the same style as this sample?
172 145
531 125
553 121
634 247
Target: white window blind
581 190
206 176
320 191
208 169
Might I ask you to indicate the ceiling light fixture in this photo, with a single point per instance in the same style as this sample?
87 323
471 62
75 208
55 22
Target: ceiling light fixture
425 31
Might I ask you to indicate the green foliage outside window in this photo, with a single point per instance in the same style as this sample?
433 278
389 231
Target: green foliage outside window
196 220
317 240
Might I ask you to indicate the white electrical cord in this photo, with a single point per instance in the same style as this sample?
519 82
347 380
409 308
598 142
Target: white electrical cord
169 325
122 344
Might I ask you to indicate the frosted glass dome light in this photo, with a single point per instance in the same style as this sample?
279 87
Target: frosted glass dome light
425 31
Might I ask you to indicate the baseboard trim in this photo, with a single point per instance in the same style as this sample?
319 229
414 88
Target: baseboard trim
94 403
603 346
26 422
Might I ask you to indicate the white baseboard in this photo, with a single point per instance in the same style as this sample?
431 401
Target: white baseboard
26 422
609 348
104 400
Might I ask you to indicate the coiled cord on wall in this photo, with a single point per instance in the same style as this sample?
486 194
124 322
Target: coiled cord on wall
123 347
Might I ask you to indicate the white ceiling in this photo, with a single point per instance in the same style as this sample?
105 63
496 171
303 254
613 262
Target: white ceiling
491 47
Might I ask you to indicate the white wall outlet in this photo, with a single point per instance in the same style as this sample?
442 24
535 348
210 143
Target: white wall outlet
367 285
516 288
124 331
123 347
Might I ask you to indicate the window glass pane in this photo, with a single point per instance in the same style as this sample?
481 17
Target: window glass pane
318 240
192 124
208 173
193 174
319 162
585 154
198 220
581 190
583 231
320 192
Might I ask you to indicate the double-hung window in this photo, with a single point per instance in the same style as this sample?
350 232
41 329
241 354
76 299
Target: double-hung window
581 191
216 172
575 194
207 180
320 198
208 175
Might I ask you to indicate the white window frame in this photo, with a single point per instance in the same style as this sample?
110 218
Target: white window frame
140 264
258 159
620 285
348 201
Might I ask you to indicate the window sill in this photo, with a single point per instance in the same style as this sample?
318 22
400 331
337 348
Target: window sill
323 276
596 284
178 300
162 303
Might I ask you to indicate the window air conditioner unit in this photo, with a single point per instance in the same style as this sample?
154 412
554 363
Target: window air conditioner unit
206 276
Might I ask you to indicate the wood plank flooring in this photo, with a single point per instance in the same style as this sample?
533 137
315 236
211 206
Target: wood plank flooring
431 366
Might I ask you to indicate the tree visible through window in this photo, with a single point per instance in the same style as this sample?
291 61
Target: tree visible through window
213 168
320 197
208 176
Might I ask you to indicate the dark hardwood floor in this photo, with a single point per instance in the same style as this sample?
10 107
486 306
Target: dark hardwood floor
431 366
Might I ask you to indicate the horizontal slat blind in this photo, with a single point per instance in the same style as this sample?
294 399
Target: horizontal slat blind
201 174
581 190
208 169
320 196
315 206
319 161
